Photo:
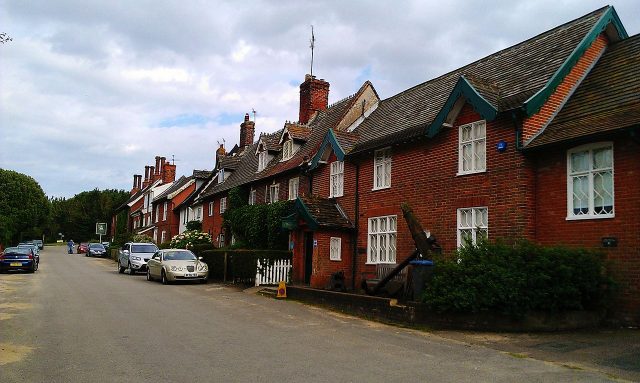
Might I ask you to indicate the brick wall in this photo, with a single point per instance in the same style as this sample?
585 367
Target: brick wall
533 124
552 227
321 185
424 174
323 267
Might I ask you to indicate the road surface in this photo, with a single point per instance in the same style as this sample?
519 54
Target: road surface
77 320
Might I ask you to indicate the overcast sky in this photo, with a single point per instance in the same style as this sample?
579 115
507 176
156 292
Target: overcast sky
92 91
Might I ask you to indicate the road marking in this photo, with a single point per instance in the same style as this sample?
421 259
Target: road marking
11 353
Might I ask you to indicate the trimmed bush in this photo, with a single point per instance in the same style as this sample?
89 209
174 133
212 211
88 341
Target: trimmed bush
517 279
190 238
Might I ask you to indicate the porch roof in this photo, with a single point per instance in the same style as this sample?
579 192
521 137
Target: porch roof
317 213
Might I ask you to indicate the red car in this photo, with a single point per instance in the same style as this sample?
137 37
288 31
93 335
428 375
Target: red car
83 247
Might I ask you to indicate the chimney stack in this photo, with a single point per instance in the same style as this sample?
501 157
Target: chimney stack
247 132
168 173
146 177
136 184
314 97
162 161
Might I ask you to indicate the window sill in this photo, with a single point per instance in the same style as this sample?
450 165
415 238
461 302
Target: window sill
336 196
336 260
381 188
458 174
381 263
586 217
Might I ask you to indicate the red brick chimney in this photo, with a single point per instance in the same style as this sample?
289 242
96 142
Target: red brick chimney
168 173
157 174
247 132
314 96
162 161
152 174
146 177
136 184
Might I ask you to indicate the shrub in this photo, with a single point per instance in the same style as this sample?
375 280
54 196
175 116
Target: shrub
194 225
190 238
141 238
517 279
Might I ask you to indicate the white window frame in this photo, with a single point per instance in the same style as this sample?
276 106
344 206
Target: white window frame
336 179
221 240
252 196
382 237
164 211
478 222
211 204
274 191
287 150
221 176
294 184
157 215
477 144
335 249
382 169
223 204
262 160
590 175
163 236
198 212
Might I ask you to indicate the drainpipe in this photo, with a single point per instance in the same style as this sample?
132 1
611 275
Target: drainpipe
517 124
354 262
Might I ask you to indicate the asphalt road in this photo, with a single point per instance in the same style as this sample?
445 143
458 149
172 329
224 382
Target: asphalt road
77 320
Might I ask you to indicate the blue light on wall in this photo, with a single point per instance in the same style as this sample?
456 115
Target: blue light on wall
501 146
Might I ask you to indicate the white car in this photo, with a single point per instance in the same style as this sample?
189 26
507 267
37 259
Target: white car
172 265
134 256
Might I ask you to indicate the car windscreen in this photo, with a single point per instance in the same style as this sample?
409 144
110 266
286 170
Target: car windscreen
179 256
144 248
97 246
17 250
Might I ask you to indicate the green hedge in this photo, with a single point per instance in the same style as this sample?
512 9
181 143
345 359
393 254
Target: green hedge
241 264
517 279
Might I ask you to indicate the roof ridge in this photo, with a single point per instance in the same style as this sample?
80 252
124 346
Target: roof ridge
460 70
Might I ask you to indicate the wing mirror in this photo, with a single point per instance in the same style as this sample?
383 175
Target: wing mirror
200 258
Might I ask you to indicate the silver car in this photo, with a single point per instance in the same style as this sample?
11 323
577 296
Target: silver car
134 256
170 265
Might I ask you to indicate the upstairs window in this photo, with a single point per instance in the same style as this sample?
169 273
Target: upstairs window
473 225
472 148
287 150
262 160
590 181
210 209
157 211
336 175
382 169
223 204
252 197
294 183
274 190
164 211
221 176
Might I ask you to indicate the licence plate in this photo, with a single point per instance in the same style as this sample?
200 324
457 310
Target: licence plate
190 275
16 264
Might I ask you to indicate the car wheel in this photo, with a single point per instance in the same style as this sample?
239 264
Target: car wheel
86 254
120 268
131 270
37 266
33 268
165 281
148 275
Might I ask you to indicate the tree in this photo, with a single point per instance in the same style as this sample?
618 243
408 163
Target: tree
24 208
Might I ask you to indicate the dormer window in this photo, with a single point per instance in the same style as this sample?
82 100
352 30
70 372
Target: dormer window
221 176
287 150
262 160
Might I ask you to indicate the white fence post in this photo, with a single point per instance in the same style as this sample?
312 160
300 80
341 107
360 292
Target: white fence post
273 274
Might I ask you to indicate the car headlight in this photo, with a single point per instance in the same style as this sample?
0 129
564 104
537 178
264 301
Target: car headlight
136 258
202 267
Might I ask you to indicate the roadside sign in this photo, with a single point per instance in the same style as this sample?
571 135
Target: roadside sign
101 228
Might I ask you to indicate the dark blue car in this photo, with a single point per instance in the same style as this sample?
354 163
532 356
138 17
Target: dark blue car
18 258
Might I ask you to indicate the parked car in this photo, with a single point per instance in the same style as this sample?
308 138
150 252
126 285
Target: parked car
39 243
18 258
134 256
33 247
83 247
106 245
172 265
96 250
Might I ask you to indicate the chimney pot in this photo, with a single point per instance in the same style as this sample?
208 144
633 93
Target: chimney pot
314 97
246 117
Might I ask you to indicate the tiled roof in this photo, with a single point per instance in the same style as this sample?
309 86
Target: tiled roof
607 99
228 162
175 186
326 212
298 132
201 174
505 79
347 140
320 125
271 140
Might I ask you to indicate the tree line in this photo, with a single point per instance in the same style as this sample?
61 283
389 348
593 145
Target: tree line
27 213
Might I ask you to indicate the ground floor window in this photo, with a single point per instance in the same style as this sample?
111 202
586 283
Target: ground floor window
473 225
335 249
381 244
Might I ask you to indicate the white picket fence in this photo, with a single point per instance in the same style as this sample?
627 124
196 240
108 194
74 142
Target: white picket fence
273 274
